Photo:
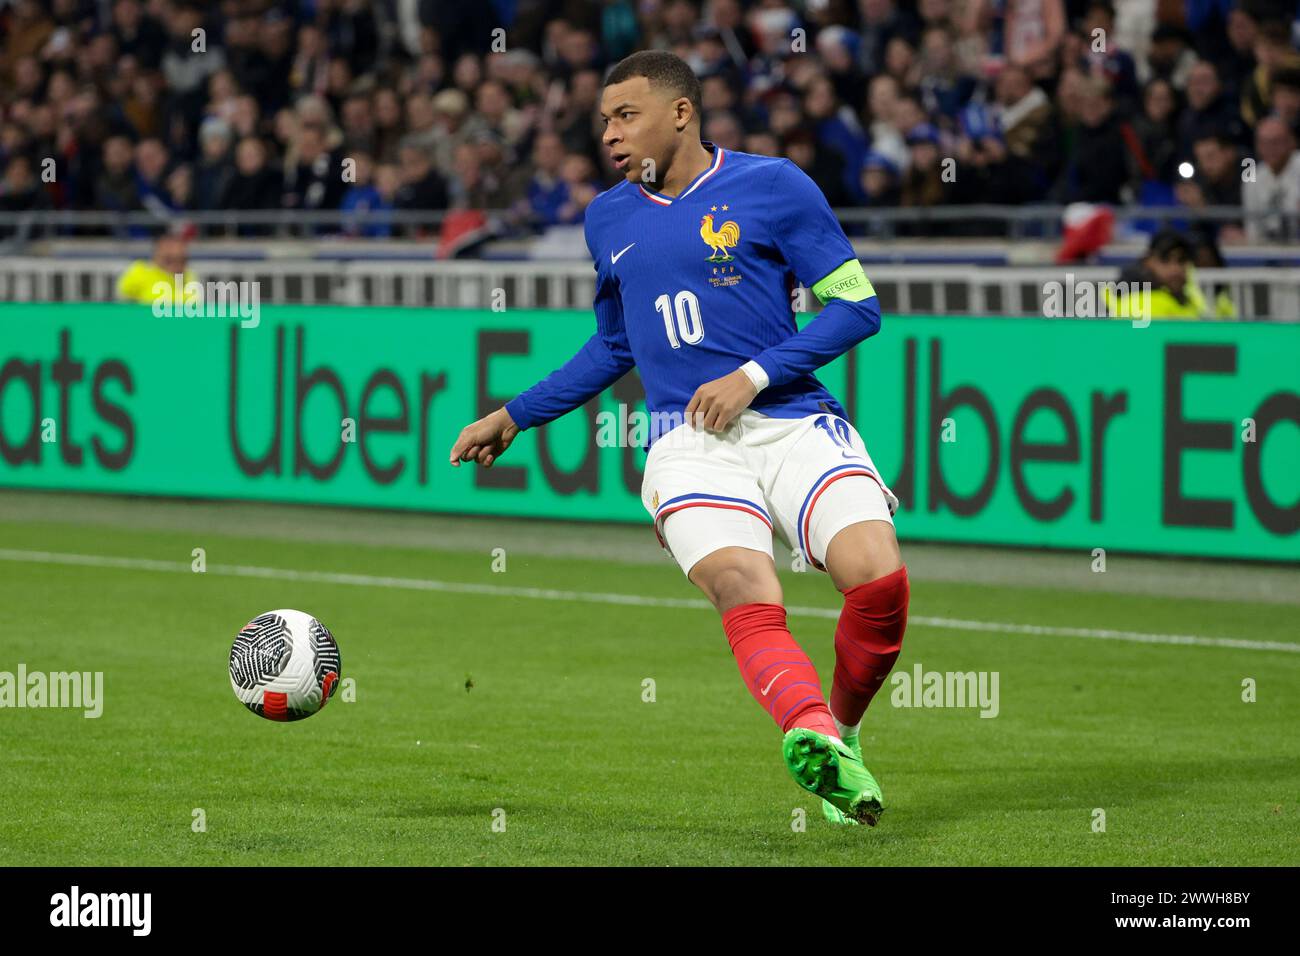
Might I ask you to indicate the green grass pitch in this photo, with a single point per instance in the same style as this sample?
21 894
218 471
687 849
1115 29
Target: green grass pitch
491 706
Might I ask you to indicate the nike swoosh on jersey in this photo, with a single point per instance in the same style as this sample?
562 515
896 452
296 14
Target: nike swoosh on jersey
613 259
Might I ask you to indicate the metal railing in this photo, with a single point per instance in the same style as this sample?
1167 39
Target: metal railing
1013 222
1258 293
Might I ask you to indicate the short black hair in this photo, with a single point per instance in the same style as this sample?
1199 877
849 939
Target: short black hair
1168 241
663 69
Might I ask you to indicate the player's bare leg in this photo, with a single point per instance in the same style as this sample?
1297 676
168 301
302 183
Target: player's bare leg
862 552
865 564
742 584
730 577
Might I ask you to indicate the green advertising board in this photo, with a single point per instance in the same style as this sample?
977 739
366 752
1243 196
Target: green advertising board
1180 438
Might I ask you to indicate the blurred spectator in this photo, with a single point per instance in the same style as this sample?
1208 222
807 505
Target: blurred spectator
1033 31
422 188
386 109
824 166
29 30
492 103
547 192
943 88
215 168
137 35
900 62
1216 179
142 107
139 110
1274 52
1173 293
374 194
351 33
1027 124
883 107
1169 57
580 181
882 21
313 175
839 137
1208 109
21 191
923 183
442 127
503 182
151 166
1238 61
187 74
254 185
1213 178
724 130
116 189
1098 171
1103 57
168 268
310 70
762 143
178 192
1153 149
880 180
358 125
1276 186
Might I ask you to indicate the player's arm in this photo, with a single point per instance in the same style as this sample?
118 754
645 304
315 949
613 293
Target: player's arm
813 244
603 360
812 241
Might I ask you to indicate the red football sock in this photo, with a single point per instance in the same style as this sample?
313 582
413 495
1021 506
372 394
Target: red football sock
775 668
867 641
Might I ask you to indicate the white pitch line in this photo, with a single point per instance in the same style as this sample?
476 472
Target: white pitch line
599 597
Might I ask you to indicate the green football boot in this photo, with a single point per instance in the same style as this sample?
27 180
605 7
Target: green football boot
829 810
835 773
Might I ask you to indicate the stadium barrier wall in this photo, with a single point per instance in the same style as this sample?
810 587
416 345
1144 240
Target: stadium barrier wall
1178 438
1269 293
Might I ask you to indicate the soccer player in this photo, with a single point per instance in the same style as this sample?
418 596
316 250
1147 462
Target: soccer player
697 253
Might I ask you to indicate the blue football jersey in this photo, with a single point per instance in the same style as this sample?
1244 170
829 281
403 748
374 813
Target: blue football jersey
689 288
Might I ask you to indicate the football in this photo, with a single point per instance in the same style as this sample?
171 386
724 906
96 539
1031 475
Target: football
285 665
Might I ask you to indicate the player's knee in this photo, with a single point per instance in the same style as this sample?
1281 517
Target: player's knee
863 552
730 577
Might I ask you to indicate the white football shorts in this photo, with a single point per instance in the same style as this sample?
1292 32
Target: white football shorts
803 478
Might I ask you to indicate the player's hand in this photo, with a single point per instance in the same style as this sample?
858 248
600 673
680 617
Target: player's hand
716 403
485 440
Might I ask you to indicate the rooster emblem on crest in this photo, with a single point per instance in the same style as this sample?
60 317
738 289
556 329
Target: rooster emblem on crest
720 239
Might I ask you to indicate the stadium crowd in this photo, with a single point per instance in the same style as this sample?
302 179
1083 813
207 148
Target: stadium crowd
487 109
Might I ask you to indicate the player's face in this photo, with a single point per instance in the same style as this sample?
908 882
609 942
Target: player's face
640 123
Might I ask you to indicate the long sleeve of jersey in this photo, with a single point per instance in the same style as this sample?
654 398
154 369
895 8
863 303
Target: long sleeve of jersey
603 360
813 243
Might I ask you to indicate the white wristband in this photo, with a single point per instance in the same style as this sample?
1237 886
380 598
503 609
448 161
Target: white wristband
755 373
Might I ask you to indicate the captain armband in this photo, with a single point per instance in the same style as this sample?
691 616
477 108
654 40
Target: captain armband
847 282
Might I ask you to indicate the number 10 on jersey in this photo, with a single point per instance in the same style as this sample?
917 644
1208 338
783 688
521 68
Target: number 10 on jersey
682 319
